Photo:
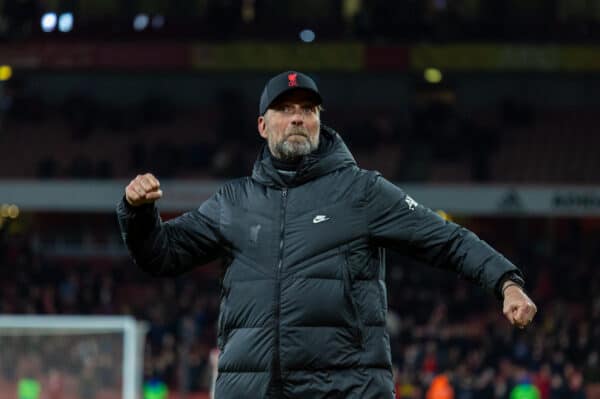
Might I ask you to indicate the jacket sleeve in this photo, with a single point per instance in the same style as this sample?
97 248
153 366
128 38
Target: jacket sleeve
398 222
173 247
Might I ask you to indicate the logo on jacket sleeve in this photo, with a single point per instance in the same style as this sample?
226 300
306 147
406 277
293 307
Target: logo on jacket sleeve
292 79
412 204
254 233
321 218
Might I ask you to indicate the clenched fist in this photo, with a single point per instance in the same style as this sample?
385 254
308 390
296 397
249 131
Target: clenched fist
144 189
518 308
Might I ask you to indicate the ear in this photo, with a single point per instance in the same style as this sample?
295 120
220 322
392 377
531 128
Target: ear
262 127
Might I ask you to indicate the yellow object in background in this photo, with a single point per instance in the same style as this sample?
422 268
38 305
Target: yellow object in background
433 75
5 72
444 215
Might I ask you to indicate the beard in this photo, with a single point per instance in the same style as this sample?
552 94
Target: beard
291 150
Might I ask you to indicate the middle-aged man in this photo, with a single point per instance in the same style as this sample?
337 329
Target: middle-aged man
304 300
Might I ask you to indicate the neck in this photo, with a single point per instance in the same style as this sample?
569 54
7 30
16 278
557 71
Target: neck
285 164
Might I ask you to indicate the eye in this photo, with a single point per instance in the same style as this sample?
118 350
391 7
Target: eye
286 109
280 108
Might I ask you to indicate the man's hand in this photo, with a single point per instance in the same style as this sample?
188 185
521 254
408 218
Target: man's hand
519 309
144 189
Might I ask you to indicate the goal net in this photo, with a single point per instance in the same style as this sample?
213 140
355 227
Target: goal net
70 357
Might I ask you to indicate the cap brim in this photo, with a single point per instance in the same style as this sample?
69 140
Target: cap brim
315 95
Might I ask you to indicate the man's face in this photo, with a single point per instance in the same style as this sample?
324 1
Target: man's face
291 125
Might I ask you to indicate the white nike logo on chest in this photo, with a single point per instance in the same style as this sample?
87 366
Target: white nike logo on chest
320 218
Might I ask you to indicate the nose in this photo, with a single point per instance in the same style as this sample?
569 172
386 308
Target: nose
297 119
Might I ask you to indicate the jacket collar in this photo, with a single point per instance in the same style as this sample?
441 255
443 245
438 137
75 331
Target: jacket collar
332 154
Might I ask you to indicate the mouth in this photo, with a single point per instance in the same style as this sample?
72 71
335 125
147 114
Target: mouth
297 134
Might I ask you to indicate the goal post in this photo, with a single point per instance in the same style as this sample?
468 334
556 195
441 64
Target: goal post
74 356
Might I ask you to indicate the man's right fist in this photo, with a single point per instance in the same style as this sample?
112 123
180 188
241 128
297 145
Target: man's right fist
144 189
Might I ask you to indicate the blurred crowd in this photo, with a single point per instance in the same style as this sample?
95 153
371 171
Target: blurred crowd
443 326
64 364
182 313
439 324
412 20
84 137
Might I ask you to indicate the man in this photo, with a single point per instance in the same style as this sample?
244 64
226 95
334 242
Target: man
304 301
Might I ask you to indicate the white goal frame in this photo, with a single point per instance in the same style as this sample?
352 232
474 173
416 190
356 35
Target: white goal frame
133 338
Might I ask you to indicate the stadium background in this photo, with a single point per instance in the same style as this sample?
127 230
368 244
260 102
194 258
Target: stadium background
485 110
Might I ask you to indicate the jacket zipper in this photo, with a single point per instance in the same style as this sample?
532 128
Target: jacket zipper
277 362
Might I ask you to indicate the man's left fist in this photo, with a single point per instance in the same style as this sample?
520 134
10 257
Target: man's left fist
518 308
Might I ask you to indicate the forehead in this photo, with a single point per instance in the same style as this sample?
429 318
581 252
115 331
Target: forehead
298 96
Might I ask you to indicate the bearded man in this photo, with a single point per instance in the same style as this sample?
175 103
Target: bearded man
304 299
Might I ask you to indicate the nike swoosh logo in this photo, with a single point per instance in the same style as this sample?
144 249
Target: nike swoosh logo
320 218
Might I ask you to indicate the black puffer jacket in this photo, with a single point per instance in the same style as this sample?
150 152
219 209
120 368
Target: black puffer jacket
304 300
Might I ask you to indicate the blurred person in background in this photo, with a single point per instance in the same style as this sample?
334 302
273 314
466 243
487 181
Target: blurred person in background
440 388
524 389
303 296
